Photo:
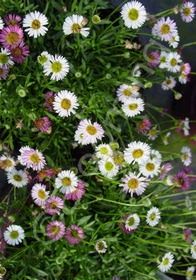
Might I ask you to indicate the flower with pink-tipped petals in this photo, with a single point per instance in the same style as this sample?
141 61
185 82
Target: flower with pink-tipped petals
19 52
72 233
78 193
185 69
165 169
11 36
189 172
53 204
123 225
39 194
43 124
3 73
165 28
55 230
144 126
12 20
187 11
153 59
187 233
31 158
182 180
45 173
49 100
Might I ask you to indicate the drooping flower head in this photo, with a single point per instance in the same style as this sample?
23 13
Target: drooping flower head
75 24
133 14
72 234
78 193
43 124
58 66
55 230
14 235
65 103
34 23
11 37
167 262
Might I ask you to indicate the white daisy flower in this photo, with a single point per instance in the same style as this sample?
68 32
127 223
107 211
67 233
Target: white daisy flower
133 106
7 163
39 194
167 262
136 72
108 168
162 59
74 24
173 61
64 103
137 152
175 40
193 249
66 181
187 11
133 14
165 138
103 150
5 59
17 178
126 91
2 271
14 235
1 23
169 82
153 217
132 222
44 57
133 183
183 79
186 155
186 127
150 167
153 133
58 66
35 24
101 246
190 271
155 155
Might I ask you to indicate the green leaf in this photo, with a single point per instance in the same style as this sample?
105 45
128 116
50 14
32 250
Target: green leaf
84 220
39 271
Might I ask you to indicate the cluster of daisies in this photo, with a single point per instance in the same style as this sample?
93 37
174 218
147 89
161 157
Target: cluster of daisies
13 47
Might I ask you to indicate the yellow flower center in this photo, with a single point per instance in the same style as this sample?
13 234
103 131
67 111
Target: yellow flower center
35 158
127 92
150 166
16 52
50 100
131 221
182 76
55 229
142 125
76 28
137 153
194 249
12 38
56 67
14 234
12 22
165 139
153 131
66 181
166 261
53 205
35 24
165 29
39 123
41 194
168 82
189 273
109 166
162 59
103 151
133 106
9 163
173 62
17 178
151 58
1 71
2 271
3 58
186 11
152 216
133 14
42 59
101 246
91 130
118 158
66 104
74 233
133 184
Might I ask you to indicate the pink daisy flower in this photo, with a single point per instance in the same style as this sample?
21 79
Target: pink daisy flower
55 230
3 73
72 233
11 36
165 169
165 28
187 11
43 124
39 194
144 126
123 225
12 19
31 158
87 132
19 52
185 68
46 173
189 172
182 180
134 184
53 204
49 100
187 232
78 193
153 59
